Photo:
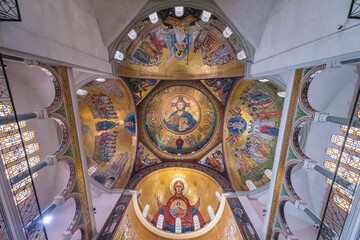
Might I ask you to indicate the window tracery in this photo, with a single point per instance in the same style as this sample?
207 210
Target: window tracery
342 203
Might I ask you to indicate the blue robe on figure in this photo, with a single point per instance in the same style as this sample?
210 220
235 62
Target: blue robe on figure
191 122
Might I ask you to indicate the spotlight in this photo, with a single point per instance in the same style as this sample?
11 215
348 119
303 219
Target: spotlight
81 92
100 79
46 219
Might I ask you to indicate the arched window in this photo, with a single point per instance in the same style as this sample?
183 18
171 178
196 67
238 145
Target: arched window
250 185
11 140
12 126
268 173
146 210
21 167
350 144
196 222
5 110
178 225
179 11
345 158
218 195
153 18
205 16
353 130
342 172
92 169
23 182
341 189
132 34
211 213
341 203
16 154
109 182
21 196
227 32
160 221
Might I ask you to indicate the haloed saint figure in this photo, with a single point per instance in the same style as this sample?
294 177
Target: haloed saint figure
178 207
180 120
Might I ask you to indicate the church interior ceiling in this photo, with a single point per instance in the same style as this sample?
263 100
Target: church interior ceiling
180 47
229 125
108 123
252 121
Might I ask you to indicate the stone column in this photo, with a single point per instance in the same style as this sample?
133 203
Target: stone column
40 114
325 117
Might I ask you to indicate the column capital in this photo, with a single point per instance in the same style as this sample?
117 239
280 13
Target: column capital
320 116
309 164
31 63
59 200
67 235
50 159
300 204
42 114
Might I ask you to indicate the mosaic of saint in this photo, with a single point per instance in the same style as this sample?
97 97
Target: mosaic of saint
145 158
108 124
184 42
252 126
180 119
178 207
215 159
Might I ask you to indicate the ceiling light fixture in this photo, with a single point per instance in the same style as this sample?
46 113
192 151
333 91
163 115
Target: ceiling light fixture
281 94
179 11
81 92
263 80
227 32
46 219
205 17
153 17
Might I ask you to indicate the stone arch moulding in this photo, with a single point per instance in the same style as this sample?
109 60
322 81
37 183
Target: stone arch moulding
77 215
222 181
172 3
281 214
295 132
304 89
287 180
72 178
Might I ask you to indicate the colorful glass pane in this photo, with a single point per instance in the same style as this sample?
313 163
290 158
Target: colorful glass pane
11 140
19 153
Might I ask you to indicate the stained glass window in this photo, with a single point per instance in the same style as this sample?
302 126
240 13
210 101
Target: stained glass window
218 196
350 143
179 11
205 16
211 212
345 158
132 34
92 169
241 55
11 126
119 55
341 189
342 203
196 222
109 182
21 196
11 140
160 221
19 153
353 130
268 173
153 17
5 110
250 185
342 172
145 211
227 32
21 167
24 182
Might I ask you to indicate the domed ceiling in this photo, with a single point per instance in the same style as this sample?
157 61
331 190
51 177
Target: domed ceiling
187 44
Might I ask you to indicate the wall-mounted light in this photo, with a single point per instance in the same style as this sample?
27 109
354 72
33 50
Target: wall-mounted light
132 34
241 55
281 94
227 32
81 92
100 79
205 16
263 80
46 219
153 17
119 55
179 11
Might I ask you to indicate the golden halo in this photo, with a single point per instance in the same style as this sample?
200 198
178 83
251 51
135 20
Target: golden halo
186 186
185 100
